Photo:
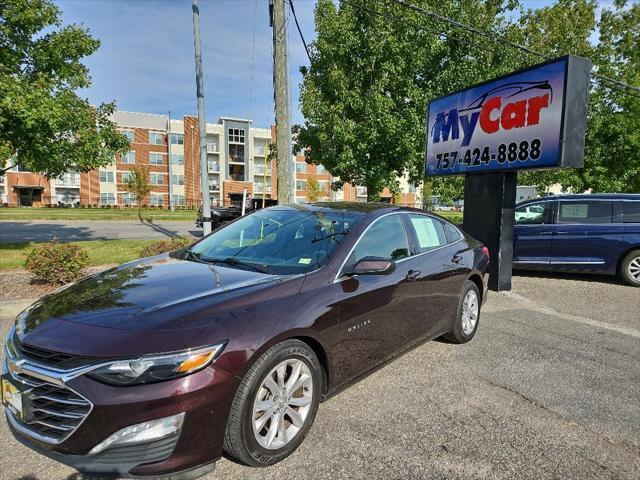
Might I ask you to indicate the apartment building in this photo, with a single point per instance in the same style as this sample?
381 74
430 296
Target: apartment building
169 149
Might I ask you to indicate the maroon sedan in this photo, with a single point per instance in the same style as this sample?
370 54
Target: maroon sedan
163 365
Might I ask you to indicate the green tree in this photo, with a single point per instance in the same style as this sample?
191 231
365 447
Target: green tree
138 184
45 126
365 94
314 191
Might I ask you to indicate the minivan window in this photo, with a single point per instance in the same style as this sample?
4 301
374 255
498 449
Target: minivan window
429 232
535 214
386 238
631 212
589 211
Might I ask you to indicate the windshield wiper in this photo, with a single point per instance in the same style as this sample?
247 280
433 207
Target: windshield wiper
234 261
331 235
192 256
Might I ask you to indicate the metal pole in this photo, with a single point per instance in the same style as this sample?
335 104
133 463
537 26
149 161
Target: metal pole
170 165
282 102
204 177
244 200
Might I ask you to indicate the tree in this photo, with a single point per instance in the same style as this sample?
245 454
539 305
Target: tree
45 127
364 96
314 191
138 184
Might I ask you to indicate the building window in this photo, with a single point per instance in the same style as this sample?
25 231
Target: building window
126 176
301 167
107 198
157 199
236 153
156 179
177 139
130 134
129 157
177 159
301 185
236 172
236 135
178 200
106 177
178 179
320 169
128 198
412 188
156 138
156 158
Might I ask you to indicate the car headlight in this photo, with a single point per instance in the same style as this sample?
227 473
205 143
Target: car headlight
157 368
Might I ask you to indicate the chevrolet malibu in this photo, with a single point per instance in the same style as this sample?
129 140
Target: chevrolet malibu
161 366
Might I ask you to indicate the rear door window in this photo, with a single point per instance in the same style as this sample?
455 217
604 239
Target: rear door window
429 232
631 212
535 214
585 212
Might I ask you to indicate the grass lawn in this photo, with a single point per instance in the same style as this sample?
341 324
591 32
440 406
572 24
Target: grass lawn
27 213
100 252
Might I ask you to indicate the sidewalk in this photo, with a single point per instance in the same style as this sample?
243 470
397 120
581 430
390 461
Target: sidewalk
9 309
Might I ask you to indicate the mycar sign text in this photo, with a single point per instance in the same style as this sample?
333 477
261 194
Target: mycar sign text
534 118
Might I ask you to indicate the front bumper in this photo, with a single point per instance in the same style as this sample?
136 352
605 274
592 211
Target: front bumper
204 396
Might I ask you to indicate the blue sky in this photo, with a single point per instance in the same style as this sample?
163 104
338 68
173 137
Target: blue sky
146 60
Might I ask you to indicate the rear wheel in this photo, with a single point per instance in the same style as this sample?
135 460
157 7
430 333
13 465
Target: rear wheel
630 268
466 322
275 405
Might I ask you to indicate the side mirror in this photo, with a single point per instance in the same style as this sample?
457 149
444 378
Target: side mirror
374 266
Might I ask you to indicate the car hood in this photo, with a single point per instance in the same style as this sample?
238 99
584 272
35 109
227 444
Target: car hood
149 296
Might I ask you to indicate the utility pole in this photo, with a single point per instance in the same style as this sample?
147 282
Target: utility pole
169 161
204 176
282 100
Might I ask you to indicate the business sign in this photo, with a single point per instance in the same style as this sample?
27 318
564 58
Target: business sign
534 118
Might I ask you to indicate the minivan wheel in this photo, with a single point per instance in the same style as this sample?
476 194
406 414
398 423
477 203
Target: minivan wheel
465 323
630 268
275 405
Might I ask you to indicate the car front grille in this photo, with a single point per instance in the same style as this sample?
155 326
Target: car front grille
55 411
58 360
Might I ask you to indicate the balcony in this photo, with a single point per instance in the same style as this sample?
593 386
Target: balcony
259 170
259 151
214 187
213 166
212 148
68 180
259 188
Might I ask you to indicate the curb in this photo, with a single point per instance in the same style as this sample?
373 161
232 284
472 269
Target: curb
11 308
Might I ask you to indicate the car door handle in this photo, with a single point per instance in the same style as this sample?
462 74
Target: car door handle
456 258
545 233
562 233
413 275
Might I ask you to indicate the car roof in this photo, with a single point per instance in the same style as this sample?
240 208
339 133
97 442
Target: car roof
584 196
353 208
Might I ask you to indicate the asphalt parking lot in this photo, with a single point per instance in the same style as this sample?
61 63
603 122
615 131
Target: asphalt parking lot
549 388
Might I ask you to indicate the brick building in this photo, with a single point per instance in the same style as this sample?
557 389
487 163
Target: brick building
236 158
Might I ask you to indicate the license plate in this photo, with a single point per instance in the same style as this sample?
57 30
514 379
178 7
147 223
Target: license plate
12 398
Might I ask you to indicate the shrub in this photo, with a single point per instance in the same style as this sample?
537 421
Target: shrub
56 263
163 246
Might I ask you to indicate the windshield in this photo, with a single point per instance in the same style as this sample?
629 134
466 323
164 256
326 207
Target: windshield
277 241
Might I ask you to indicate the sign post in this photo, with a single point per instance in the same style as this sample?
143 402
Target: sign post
530 119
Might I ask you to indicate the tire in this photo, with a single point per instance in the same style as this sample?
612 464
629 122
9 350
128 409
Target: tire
243 442
630 268
462 332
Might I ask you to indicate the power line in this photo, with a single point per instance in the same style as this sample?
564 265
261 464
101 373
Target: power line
418 26
495 38
306 48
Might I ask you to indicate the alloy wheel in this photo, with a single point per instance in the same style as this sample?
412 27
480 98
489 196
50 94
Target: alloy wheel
470 310
634 268
282 404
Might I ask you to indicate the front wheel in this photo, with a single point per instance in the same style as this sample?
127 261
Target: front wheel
465 323
630 268
275 405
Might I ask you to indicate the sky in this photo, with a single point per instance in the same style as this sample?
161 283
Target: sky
146 58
